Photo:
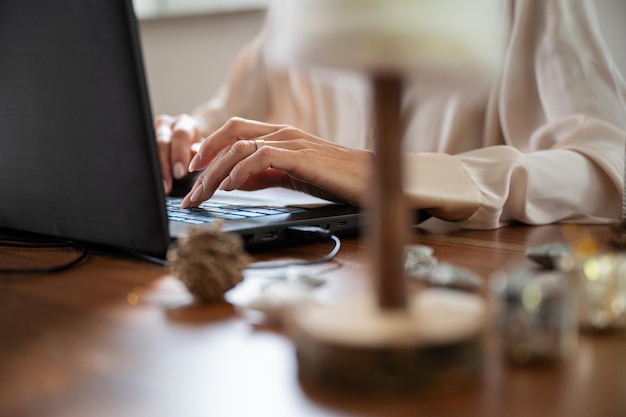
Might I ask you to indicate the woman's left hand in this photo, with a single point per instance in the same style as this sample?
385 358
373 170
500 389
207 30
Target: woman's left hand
250 155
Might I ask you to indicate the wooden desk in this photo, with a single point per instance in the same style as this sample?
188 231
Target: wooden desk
116 337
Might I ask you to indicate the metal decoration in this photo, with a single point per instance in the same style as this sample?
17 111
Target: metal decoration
535 314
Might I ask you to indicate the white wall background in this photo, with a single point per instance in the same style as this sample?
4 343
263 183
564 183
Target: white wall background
188 57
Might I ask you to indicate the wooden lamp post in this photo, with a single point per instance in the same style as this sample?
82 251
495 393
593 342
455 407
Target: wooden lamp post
390 340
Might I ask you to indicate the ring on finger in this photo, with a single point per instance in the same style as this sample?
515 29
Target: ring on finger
258 143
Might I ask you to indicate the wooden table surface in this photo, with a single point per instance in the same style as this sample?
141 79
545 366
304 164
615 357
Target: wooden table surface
121 337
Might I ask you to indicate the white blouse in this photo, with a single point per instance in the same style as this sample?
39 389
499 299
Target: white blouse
545 143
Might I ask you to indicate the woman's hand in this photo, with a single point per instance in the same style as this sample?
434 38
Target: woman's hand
250 155
175 137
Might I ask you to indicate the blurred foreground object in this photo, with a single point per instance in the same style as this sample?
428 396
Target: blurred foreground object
535 314
421 265
421 36
208 262
355 346
602 290
391 341
600 271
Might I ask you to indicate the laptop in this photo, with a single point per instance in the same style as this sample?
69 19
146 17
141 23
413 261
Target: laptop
78 157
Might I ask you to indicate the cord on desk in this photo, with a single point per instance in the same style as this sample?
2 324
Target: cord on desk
39 243
307 233
302 233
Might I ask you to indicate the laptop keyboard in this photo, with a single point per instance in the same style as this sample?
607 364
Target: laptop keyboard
209 211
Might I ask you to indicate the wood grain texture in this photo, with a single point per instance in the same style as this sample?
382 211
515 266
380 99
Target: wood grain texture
117 337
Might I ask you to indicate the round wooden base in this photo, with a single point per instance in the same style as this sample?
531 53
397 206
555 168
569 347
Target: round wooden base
358 347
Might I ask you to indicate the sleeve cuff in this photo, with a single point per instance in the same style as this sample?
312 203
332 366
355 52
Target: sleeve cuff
439 183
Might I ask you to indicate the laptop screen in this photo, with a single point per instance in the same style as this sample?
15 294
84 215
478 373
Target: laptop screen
77 153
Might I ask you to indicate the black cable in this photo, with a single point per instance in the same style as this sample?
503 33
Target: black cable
306 233
36 243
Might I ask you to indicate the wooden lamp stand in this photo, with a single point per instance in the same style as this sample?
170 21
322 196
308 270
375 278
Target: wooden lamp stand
392 341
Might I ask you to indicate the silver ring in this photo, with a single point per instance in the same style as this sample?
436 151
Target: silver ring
258 143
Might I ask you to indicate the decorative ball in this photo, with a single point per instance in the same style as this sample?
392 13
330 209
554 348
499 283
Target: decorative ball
208 262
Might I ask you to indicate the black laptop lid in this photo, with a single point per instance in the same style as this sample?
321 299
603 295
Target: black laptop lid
77 154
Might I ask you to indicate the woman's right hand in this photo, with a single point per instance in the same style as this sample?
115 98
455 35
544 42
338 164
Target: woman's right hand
250 155
176 137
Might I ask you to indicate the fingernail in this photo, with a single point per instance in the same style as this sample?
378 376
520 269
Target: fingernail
165 187
179 170
224 185
195 197
193 163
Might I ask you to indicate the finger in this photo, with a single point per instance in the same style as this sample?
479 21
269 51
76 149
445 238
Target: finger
220 166
232 131
264 179
247 158
218 170
192 195
267 157
164 159
336 171
288 150
184 133
163 132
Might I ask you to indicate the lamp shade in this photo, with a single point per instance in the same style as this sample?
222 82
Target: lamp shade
391 35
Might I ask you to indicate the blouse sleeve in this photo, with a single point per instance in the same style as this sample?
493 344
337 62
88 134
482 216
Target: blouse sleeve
561 117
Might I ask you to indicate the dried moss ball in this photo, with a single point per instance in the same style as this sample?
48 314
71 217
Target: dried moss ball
208 262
